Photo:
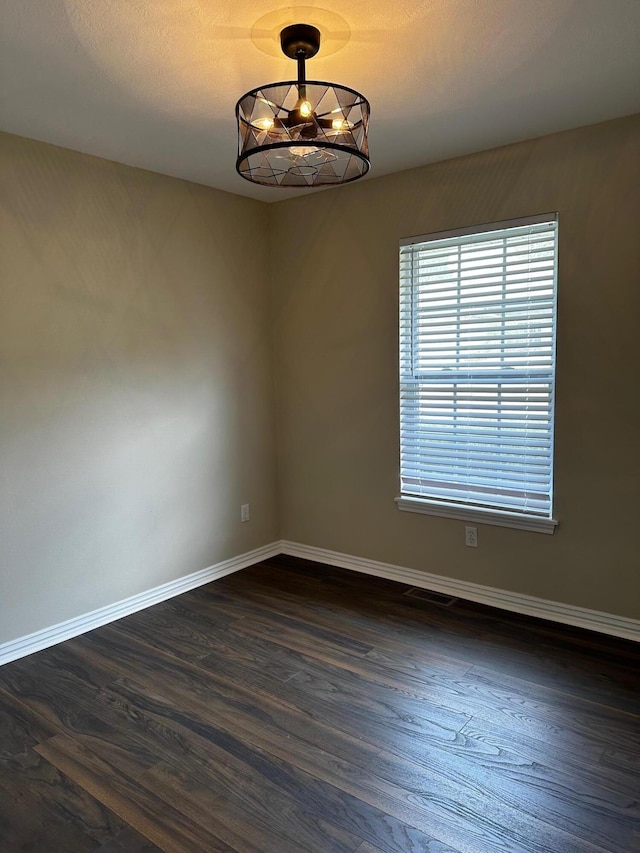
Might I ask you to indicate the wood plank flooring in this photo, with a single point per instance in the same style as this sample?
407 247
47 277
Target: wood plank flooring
298 708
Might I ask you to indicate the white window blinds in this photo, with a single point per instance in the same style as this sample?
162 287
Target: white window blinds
477 363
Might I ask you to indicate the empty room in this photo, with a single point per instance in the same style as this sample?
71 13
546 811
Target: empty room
319 426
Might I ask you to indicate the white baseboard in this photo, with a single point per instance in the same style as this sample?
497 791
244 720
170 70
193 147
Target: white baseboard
81 624
594 620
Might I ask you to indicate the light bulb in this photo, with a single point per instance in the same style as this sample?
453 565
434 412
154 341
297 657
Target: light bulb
263 123
303 150
339 124
305 109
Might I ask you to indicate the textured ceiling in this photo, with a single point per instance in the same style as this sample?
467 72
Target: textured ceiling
153 83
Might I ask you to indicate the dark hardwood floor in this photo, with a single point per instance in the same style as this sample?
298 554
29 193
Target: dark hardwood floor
298 708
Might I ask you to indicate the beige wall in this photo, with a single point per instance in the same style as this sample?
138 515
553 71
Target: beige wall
137 381
335 262
137 387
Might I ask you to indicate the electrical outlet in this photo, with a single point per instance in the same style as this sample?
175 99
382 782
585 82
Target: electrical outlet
471 537
244 512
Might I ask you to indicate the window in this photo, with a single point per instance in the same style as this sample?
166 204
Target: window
477 372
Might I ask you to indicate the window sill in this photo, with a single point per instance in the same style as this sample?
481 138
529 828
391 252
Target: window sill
483 516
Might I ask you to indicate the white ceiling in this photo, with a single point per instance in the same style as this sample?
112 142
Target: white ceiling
153 83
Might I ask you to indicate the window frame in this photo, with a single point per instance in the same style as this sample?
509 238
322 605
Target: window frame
503 517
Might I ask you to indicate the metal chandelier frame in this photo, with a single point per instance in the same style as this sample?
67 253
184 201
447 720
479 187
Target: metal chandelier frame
300 133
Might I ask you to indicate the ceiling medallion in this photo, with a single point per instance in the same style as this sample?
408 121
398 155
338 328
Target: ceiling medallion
302 133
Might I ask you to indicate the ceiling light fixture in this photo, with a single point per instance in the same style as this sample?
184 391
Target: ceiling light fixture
302 133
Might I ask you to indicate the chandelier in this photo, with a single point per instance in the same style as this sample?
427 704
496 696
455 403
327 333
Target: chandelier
302 133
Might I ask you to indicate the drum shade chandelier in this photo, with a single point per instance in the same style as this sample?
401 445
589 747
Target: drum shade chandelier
302 133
